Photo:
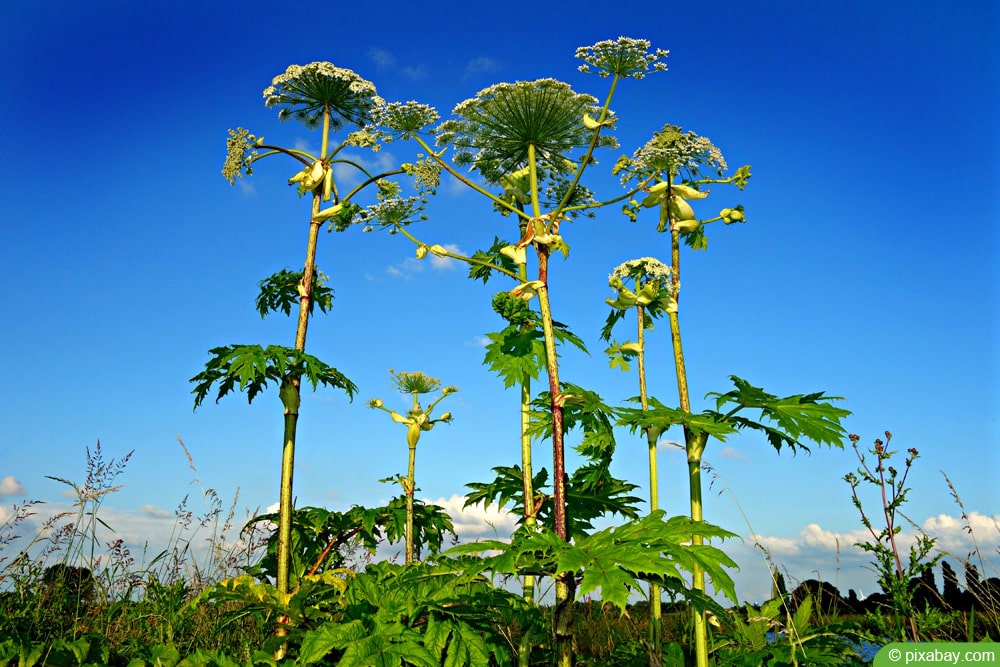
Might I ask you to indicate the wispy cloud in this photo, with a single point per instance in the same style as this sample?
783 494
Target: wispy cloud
414 72
446 263
381 57
732 454
411 265
9 486
154 511
385 59
480 65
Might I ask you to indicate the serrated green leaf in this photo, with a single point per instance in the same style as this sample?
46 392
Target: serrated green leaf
796 418
253 367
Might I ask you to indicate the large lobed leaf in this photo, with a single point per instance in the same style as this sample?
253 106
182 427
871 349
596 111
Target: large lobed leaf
795 418
252 367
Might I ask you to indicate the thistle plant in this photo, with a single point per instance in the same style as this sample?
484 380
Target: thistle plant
330 99
651 295
417 420
674 166
894 575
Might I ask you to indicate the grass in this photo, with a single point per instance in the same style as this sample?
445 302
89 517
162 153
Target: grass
75 582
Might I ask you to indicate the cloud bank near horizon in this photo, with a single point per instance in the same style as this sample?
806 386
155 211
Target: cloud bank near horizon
814 552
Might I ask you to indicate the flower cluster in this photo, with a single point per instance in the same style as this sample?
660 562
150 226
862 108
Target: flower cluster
426 173
497 129
624 57
392 210
655 288
303 92
672 151
240 154
416 383
644 270
365 138
404 119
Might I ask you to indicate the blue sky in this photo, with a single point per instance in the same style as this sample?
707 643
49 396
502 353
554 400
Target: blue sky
867 269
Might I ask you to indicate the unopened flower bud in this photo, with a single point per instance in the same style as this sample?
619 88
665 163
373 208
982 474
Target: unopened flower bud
421 251
686 226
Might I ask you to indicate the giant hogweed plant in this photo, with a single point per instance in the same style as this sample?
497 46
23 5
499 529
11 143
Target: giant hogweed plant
417 420
651 295
670 166
330 99
534 140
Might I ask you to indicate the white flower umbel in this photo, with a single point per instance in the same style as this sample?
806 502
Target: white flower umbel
303 91
624 57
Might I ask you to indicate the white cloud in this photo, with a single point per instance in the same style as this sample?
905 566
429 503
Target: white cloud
816 552
477 520
154 511
406 268
733 454
415 72
479 341
481 65
381 57
412 265
446 263
9 486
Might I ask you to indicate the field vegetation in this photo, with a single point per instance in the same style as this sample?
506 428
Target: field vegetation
302 585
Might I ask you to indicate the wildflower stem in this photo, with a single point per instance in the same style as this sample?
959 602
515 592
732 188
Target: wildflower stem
694 445
652 435
590 151
451 170
564 582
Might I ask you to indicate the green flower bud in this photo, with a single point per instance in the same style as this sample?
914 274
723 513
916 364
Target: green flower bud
515 254
438 250
635 348
421 251
680 209
375 403
686 226
731 215
328 213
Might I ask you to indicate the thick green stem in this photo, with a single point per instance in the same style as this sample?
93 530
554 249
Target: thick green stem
410 550
291 397
652 436
527 474
694 445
